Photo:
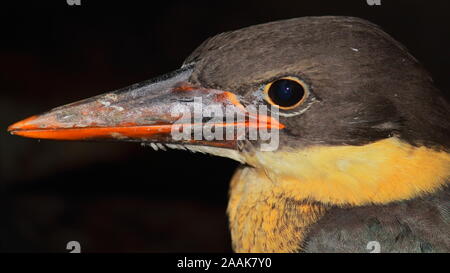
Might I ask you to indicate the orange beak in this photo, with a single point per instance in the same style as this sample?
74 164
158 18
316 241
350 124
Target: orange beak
150 111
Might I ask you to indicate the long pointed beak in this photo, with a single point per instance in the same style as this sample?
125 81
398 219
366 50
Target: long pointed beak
149 111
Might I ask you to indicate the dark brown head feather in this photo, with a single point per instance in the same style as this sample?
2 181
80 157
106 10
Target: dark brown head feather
369 86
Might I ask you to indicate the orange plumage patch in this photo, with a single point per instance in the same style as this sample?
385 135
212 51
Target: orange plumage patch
273 203
380 172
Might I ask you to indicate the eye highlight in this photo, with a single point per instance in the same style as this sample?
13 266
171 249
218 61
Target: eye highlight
286 93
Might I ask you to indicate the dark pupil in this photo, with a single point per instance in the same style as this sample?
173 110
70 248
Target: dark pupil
286 93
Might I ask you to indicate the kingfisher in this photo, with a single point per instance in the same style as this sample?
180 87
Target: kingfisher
362 134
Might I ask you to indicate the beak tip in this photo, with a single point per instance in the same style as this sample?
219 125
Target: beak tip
18 128
23 124
12 128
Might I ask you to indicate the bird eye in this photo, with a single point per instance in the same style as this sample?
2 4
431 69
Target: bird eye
286 93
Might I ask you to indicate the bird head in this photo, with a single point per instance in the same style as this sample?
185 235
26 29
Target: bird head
349 115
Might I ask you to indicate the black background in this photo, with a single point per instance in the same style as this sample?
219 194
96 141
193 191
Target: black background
121 197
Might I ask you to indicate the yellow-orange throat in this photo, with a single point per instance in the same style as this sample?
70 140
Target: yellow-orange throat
380 172
273 202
